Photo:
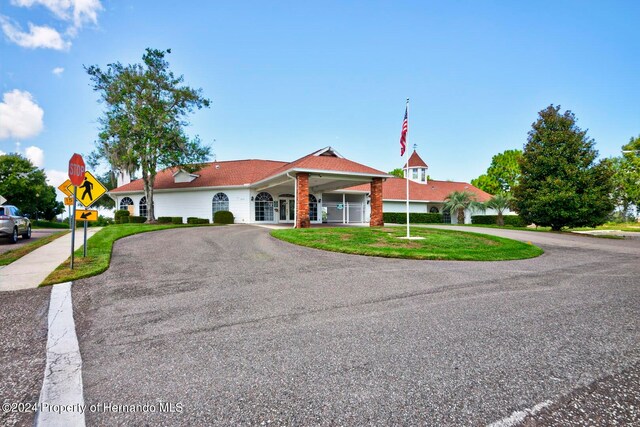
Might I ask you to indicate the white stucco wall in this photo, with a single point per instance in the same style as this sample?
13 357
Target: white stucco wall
195 203
419 207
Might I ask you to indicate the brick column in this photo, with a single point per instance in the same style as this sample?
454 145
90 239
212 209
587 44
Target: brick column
376 203
302 199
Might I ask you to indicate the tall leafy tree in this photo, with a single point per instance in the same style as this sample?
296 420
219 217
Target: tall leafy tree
626 177
503 173
143 126
25 186
561 184
457 201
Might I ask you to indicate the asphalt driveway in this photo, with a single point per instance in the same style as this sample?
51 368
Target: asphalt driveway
231 326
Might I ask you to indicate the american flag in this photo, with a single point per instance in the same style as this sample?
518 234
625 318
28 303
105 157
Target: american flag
403 134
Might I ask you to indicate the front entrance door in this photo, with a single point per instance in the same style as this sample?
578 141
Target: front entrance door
287 209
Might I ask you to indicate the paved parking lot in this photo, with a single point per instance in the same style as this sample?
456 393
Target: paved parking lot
235 327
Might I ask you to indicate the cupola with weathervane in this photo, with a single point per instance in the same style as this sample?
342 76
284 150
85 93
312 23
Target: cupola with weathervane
416 169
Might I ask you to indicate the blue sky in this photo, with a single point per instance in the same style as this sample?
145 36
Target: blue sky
287 78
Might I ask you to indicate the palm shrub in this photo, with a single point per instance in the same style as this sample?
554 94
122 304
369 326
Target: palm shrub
457 201
500 203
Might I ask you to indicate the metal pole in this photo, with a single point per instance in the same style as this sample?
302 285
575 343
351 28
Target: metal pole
407 170
73 226
84 255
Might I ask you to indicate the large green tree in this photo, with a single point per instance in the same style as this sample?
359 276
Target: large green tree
561 184
503 173
143 126
626 177
25 186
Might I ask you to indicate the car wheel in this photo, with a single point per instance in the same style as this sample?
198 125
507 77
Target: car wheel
27 235
14 236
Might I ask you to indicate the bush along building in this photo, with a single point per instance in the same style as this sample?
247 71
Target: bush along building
322 187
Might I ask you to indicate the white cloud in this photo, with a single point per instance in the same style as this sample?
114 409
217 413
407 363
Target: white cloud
80 12
36 155
20 116
55 177
58 71
77 13
37 37
2 153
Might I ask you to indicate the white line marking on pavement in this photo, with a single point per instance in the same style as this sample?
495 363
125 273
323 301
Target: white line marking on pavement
61 399
518 416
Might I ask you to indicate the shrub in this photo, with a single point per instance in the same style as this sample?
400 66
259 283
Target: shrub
137 219
121 217
509 220
176 220
223 217
165 220
414 217
193 220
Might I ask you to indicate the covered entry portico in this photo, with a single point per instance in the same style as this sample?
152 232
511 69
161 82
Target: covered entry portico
301 195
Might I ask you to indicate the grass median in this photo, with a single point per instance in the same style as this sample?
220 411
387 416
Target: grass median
99 248
436 245
15 254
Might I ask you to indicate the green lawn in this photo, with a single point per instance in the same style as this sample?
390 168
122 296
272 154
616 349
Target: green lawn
384 242
99 248
14 254
627 227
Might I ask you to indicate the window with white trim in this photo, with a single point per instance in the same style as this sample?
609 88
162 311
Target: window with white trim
126 201
220 202
264 207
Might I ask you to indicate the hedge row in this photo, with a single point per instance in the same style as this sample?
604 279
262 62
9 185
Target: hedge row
511 220
194 220
414 218
170 220
223 217
121 217
137 219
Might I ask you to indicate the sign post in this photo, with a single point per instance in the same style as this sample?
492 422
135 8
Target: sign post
76 176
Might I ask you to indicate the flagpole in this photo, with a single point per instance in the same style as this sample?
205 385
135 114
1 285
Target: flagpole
406 175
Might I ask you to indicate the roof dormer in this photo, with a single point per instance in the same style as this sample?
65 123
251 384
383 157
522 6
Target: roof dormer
417 169
183 176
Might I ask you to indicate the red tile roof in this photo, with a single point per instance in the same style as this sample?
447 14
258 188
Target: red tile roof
435 191
240 172
415 161
214 174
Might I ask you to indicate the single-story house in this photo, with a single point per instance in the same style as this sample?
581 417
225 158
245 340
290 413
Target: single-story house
320 187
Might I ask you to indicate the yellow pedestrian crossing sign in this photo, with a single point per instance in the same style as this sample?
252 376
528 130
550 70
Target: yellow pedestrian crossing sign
90 190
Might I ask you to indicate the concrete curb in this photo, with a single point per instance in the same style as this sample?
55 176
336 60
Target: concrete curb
61 399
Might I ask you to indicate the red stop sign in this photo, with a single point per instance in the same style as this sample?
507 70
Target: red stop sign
76 170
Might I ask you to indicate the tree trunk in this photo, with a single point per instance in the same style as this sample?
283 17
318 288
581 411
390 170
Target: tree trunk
460 216
151 215
500 219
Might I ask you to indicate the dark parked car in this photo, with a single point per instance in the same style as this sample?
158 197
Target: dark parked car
13 223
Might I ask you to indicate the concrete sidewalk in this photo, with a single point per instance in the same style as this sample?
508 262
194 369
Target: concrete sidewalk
30 270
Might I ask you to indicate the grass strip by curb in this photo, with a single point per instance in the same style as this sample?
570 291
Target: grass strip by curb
99 249
437 244
15 254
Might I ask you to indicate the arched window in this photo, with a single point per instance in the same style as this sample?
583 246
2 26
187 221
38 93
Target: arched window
313 208
126 201
264 207
220 203
434 210
142 207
